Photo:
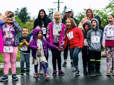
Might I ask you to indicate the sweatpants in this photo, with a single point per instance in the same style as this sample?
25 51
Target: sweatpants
10 59
94 61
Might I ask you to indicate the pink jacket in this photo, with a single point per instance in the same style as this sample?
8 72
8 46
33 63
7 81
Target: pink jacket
50 33
1 42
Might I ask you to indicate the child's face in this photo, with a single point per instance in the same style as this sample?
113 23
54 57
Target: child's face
68 23
57 16
94 24
110 19
86 27
25 32
40 35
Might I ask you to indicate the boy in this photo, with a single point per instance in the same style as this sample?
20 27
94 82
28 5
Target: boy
24 50
94 39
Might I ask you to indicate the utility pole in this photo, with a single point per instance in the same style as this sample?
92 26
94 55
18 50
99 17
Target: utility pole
58 4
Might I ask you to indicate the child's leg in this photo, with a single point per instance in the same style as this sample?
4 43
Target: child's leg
91 62
22 59
109 60
45 67
36 68
13 60
113 60
6 63
27 60
97 62
54 59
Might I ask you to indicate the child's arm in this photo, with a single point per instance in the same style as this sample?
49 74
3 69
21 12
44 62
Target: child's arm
50 45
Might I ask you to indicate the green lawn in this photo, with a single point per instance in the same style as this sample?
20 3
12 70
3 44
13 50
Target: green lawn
1 58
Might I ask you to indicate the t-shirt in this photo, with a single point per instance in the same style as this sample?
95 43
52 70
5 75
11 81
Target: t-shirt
56 32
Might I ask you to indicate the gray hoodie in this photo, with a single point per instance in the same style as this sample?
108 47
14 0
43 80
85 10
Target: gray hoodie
94 37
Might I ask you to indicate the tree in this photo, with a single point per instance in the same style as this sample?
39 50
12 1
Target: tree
23 14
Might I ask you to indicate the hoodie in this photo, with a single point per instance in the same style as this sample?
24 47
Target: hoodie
94 37
34 46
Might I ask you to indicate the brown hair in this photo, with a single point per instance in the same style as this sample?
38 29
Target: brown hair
91 12
73 24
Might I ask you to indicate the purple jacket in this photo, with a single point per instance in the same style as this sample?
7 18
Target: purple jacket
33 43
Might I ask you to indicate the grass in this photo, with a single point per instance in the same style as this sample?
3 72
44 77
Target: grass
2 59
17 71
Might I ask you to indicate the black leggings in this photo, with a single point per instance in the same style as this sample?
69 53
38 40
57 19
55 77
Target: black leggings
85 58
56 59
66 53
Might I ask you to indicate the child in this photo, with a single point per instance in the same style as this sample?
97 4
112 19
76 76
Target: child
86 28
10 33
94 39
39 46
74 36
56 31
108 44
24 50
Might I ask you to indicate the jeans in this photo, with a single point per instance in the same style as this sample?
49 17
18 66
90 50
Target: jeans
25 58
74 54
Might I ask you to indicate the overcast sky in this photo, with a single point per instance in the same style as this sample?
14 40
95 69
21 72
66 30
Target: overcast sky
33 6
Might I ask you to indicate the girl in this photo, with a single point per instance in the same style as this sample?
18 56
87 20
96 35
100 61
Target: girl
74 36
39 47
108 44
86 27
10 33
56 34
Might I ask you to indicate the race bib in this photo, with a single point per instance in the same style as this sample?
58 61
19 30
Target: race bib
95 39
110 33
24 48
70 35
44 30
8 49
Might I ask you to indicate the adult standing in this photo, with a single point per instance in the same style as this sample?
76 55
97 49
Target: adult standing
87 18
42 21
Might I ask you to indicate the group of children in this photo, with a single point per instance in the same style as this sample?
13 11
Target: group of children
58 35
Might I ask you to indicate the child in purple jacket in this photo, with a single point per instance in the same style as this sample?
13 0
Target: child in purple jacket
39 46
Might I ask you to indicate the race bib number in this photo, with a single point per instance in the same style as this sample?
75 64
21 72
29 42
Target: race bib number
110 33
70 35
44 30
95 39
24 48
8 49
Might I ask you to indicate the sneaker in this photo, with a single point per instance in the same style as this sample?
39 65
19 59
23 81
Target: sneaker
77 73
54 73
64 64
36 75
14 77
85 73
98 73
61 73
46 77
4 78
27 72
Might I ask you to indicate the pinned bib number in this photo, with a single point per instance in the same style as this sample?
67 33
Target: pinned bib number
110 33
95 39
44 30
70 35
8 49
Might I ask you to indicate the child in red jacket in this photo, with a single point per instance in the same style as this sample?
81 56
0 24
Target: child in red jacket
74 36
